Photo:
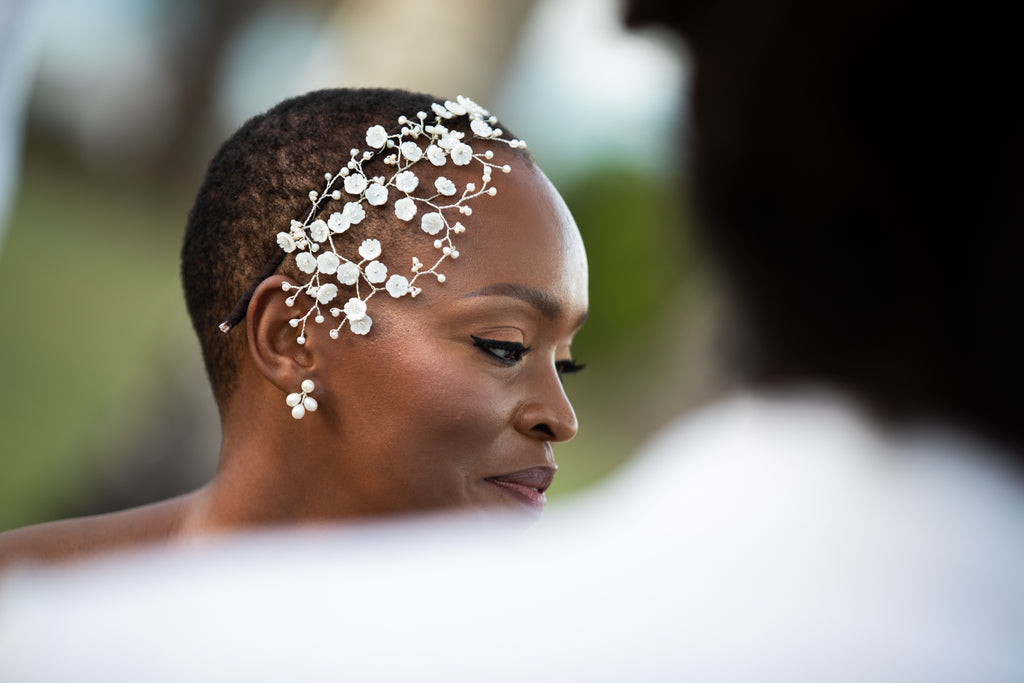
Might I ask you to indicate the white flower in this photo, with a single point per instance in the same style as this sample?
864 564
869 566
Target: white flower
440 111
411 151
481 128
455 108
376 194
328 262
369 249
397 286
436 155
407 181
376 272
361 326
318 229
445 186
306 262
348 273
405 209
470 106
355 183
353 212
327 292
285 241
376 136
338 222
462 154
432 223
450 138
355 308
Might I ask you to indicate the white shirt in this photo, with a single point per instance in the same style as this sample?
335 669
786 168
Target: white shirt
765 538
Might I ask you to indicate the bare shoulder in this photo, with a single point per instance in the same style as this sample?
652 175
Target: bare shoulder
72 539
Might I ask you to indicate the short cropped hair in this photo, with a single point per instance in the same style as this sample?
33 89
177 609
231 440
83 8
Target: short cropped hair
857 168
256 184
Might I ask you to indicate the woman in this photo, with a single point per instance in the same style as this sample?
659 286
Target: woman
410 284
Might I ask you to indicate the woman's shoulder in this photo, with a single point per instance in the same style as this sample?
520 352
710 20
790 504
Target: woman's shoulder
78 538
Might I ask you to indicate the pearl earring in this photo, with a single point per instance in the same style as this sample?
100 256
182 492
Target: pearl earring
300 403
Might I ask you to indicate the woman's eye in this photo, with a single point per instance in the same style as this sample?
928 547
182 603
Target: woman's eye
507 352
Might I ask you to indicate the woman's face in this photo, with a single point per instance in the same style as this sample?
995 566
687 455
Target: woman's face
455 398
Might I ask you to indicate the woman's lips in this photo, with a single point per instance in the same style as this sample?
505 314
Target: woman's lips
527 486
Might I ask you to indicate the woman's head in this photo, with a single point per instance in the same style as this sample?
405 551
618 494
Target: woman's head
258 184
451 397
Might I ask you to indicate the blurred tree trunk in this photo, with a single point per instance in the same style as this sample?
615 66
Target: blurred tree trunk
444 47
194 60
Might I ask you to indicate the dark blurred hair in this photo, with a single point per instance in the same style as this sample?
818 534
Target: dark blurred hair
856 165
256 184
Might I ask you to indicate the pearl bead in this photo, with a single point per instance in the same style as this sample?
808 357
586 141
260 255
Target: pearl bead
309 404
307 385
293 400
298 411
440 277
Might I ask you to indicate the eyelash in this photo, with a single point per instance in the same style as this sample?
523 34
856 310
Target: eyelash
567 367
515 352
496 348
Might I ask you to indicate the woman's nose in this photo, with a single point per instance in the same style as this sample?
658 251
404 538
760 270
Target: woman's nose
547 414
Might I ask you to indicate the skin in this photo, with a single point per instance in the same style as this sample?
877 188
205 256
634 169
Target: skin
414 416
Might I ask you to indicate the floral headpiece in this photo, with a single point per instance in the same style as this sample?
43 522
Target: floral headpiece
438 210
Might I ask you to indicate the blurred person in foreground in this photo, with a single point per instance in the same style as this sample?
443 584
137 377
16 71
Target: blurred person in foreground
855 514
409 309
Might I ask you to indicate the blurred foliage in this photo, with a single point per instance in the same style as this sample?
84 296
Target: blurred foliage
90 292
630 222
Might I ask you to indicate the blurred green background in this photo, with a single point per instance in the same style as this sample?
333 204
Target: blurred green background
104 402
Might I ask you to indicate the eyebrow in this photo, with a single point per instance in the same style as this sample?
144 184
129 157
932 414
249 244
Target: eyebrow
542 301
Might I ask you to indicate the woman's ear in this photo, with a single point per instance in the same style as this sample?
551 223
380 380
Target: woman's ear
273 343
